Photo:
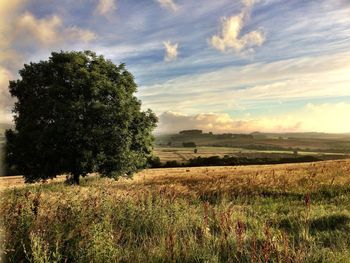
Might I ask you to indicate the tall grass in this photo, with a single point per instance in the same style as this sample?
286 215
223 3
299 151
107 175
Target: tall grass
266 214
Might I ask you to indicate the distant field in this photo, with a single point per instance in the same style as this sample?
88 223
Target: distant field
181 154
304 142
266 213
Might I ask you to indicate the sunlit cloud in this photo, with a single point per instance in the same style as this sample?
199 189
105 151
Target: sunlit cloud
170 51
287 53
5 75
106 7
47 31
312 117
168 4
224 123
20 29
230 37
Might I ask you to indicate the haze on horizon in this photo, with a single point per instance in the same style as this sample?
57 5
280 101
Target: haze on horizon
220 66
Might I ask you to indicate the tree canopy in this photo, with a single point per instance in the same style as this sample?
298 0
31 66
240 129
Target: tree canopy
76 113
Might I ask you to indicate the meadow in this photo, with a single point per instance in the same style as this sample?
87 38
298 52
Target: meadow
283 143
183 154
267 213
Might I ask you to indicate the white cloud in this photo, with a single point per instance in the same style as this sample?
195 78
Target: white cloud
168 4
106 7
170 51
230 37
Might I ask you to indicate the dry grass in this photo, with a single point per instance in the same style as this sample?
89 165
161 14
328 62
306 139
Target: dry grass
308 176
7 182
182 154
304 177
271 213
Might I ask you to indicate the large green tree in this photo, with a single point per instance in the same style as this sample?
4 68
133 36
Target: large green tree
76 113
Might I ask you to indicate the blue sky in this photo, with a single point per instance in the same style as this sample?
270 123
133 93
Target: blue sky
223 66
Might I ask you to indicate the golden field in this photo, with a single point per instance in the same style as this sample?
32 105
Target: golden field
266 213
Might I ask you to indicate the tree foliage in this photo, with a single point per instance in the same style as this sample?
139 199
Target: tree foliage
76 113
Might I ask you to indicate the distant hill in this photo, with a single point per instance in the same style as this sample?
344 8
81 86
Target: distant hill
303 135
308 141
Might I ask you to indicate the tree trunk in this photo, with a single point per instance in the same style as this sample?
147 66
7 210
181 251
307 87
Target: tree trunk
76 178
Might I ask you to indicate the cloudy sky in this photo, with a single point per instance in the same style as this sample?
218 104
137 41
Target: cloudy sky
221 66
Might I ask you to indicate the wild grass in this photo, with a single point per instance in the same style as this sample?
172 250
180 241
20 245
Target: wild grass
279 213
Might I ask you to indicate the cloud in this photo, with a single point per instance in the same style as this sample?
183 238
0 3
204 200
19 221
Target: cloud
8 10
170 51
168 4
50 30
230 37
5 76
223 123
250 3
6 101
327 117
45 31
253 85
19 31
106 7
76 33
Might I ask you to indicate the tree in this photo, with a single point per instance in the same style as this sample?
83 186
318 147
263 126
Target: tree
76 113
189 144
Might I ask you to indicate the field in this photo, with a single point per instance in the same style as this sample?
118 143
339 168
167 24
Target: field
268 146
181 154
270 213
280 142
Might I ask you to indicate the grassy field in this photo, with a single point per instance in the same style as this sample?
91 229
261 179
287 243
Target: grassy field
307 142
182 154
269 213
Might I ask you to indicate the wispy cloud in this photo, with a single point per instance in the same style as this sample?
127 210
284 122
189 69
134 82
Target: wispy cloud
230 37
301 51
106 7
250 85
168 4
170 51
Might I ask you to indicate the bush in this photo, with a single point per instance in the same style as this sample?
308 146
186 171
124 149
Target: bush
189 144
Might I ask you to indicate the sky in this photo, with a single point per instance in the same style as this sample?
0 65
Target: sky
221 66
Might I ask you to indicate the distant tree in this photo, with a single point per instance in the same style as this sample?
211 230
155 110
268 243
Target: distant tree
195 150
154 162
189 144
76 113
